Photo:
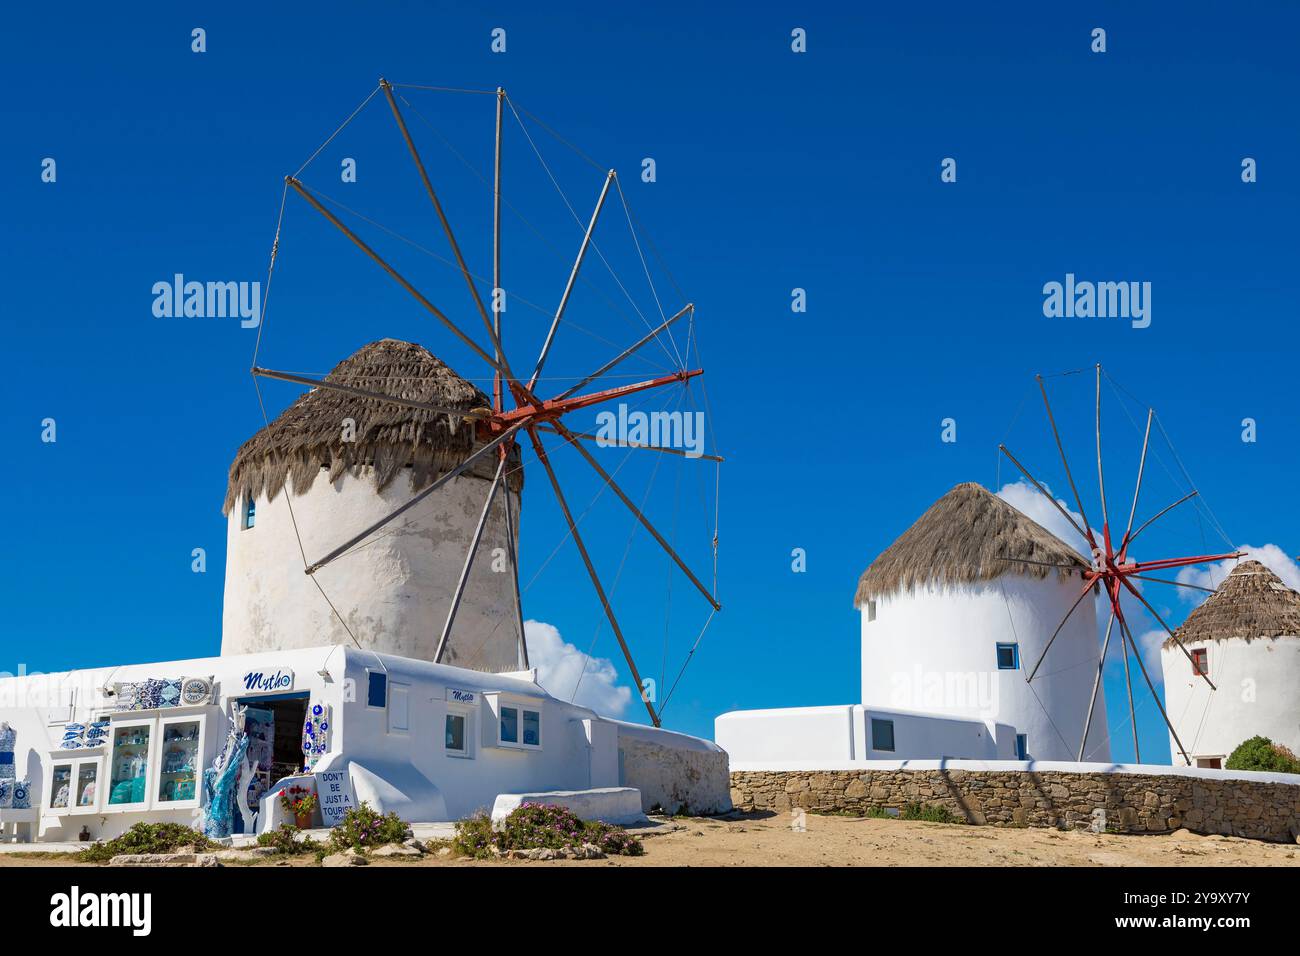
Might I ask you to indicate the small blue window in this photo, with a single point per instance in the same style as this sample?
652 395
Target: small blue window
250 512
1022 746
377 690
1008 657
882 734
532 728
509 725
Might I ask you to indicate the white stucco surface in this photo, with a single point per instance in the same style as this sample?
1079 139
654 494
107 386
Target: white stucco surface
1258 694
393 590
617 805
933 650
838 733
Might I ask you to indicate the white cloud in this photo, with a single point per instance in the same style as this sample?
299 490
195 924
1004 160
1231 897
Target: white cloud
561 667
1029 501
1212 575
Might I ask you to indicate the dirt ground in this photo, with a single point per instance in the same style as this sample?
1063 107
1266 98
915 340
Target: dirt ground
851 841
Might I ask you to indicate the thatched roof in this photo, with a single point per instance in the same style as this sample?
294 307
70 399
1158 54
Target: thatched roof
308 435
964 537
1251 602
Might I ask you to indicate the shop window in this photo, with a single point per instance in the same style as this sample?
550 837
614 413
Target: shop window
1008 657
376 689
1201 662
250 512
456 739
510 725
521 727
532 728
1022 746
882 734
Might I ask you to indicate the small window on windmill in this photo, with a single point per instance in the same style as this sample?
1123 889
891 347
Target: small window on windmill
250 512
1022 746
871 611
1201 662
376 689
1008 657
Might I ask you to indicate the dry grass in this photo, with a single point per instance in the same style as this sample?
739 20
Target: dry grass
966 536
1251 602
307 437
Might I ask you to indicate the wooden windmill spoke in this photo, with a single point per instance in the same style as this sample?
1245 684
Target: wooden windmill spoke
1178 584
587 436
1160 514
1168 630
1124 629
446 226
1042 387
397 277
365 393
573 277
1128 678
469 557
512 554
1096 686
645 522
1091 580
1101 472
1137 489
625 353
442 480
1044 492
591 572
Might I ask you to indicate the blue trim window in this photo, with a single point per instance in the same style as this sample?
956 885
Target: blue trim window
250 512
1022 746
376 689
1008 657
509 725
456 733
882 734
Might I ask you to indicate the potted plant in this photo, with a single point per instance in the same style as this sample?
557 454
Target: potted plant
300 803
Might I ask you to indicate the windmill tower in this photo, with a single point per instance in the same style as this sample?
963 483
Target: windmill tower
335 461
1246 638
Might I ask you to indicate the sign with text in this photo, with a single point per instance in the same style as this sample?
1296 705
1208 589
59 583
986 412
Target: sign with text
278 681
457 696
334 789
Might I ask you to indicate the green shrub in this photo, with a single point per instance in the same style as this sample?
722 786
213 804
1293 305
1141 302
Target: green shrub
879 813
148 838
285 839
535 826
929 812
1260 753
364 827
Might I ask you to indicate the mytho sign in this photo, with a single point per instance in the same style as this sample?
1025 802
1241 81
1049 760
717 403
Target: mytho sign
334 789
457 696
278 681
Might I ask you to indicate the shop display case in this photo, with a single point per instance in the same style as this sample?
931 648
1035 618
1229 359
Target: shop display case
72 785
130 759
180 754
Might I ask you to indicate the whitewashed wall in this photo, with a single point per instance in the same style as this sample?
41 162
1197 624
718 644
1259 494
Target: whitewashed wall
393 589
934 651
831 735
1258 695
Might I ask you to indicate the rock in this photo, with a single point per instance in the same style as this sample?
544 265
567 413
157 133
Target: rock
445 851
414 844
349 857
157 859
541 853
396 849
589 851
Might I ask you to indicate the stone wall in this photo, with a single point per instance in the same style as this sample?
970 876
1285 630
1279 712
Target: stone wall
1132 802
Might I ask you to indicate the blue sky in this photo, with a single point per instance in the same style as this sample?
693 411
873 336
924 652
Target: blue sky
775 170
